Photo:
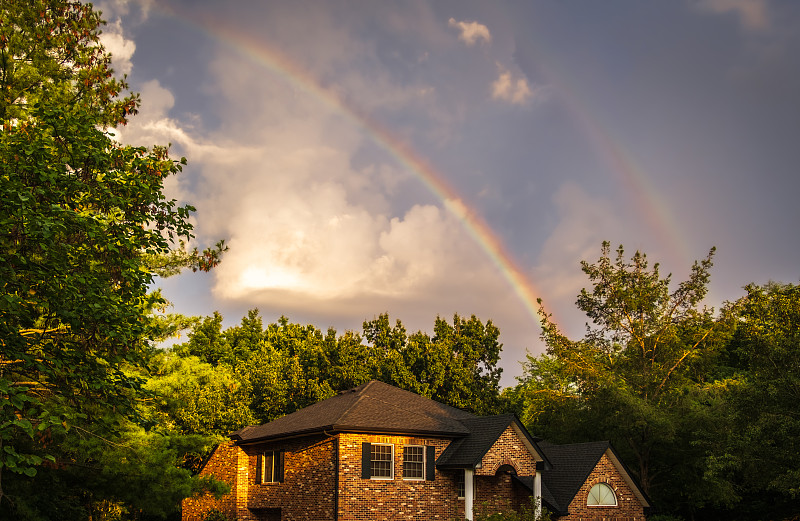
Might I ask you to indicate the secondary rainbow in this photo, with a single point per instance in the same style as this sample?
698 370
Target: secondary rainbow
630 175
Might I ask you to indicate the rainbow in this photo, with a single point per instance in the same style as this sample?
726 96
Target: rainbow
279 64
630 174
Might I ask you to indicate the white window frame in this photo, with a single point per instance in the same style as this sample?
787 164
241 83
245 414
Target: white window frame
423 462
601 505
391 462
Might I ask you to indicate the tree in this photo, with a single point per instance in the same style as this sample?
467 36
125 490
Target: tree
457 366
639 372
757 448
82 218
286 366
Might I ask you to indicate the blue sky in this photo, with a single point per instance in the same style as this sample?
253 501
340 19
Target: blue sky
668 127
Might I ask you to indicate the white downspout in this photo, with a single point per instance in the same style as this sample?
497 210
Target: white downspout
469 492
537 493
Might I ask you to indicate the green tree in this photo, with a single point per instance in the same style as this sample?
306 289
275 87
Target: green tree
457 366
83 219
191 397
639 375
756 450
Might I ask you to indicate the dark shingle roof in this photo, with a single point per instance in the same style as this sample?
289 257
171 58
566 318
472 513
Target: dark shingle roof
469 450
572 464
371 407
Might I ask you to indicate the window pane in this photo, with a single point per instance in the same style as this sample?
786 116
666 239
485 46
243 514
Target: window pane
460 484
268 467
601 494
381 464
413 462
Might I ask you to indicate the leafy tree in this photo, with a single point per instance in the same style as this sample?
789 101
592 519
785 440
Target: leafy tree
639 375
285 366
192 397
457 366
756 449
84 219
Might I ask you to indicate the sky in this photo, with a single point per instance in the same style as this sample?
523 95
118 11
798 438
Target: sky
426 158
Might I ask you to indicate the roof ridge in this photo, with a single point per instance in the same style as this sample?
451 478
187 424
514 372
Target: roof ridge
414 411
352 405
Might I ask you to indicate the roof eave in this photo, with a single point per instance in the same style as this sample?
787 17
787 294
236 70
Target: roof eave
531 444
336 429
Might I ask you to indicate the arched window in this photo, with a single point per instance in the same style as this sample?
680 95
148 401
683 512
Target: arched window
601 495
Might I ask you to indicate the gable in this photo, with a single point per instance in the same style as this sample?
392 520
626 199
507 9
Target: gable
574 466
630 503
504 433
510 448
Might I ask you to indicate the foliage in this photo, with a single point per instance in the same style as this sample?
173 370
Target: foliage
756 449
215 515
188 396
83 217
181 257
638 377
530 512
457 366
138 475
285 366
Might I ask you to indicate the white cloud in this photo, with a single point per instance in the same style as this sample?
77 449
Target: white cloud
471 32
753 14
513 89
118 8
120 48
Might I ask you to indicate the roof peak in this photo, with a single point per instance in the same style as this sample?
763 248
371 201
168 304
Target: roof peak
373 406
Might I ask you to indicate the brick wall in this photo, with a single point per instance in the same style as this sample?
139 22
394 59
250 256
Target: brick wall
222 465
308 488
509 449
496 492
628 506
395 499
493 494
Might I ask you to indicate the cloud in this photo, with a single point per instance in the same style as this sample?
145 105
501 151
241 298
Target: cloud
122 8
308 227
753 14
120 48
512 89
471 32
572 240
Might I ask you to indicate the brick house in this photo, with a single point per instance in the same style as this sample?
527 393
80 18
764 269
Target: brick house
379 452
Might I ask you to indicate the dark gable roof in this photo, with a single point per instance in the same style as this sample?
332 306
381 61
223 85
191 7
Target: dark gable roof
469 450
483 433
572 464
371 407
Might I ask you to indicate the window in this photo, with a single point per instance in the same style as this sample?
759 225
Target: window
381 461
413 462
461 484
377 461
601 495
269 467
